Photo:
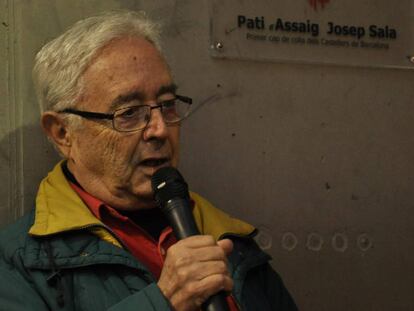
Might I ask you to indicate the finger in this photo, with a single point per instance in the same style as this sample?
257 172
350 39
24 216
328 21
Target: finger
179 257
212 285
201 270
194 294
226 245
210 253
187 256
197 241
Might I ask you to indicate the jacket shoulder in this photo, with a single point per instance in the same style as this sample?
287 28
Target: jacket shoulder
213 221
257 286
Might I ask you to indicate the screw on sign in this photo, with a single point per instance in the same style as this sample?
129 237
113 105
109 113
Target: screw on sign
318 3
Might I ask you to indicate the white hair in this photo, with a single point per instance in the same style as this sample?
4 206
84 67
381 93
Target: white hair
60 64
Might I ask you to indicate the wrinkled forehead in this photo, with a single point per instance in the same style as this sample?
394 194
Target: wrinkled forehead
125 66
126 51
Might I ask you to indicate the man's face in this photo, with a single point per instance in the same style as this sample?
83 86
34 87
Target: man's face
113 166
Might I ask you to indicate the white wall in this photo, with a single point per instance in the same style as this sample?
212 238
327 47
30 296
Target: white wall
305 150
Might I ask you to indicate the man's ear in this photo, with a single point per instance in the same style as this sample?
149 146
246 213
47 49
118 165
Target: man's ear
57 130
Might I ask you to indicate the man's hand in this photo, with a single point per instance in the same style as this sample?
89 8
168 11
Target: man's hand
195 268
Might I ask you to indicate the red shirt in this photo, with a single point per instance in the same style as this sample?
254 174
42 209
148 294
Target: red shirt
141 245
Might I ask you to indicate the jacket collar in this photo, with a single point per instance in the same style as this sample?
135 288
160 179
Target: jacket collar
59 209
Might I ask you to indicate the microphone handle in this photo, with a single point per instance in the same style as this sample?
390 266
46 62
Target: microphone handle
180 217
217 302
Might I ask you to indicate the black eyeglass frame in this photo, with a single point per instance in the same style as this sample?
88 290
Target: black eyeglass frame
111 116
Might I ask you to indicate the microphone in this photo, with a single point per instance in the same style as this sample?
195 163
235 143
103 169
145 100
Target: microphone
172 197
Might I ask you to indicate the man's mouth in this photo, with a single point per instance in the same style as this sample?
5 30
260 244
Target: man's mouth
154 162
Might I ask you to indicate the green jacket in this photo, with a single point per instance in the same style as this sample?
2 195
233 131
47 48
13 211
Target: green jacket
60 257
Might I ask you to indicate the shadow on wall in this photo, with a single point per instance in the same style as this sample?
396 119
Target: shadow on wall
26 156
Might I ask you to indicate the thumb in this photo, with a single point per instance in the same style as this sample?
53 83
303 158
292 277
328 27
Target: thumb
226 245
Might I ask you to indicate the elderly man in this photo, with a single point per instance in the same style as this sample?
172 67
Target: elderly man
95 240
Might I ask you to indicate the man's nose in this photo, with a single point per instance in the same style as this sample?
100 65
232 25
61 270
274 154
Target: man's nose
156 128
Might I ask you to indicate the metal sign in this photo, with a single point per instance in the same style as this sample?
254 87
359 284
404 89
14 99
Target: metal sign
373 33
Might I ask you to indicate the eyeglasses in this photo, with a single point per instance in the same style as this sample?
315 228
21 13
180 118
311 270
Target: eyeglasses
134 118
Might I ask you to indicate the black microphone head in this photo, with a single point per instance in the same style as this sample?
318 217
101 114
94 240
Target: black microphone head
167 183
